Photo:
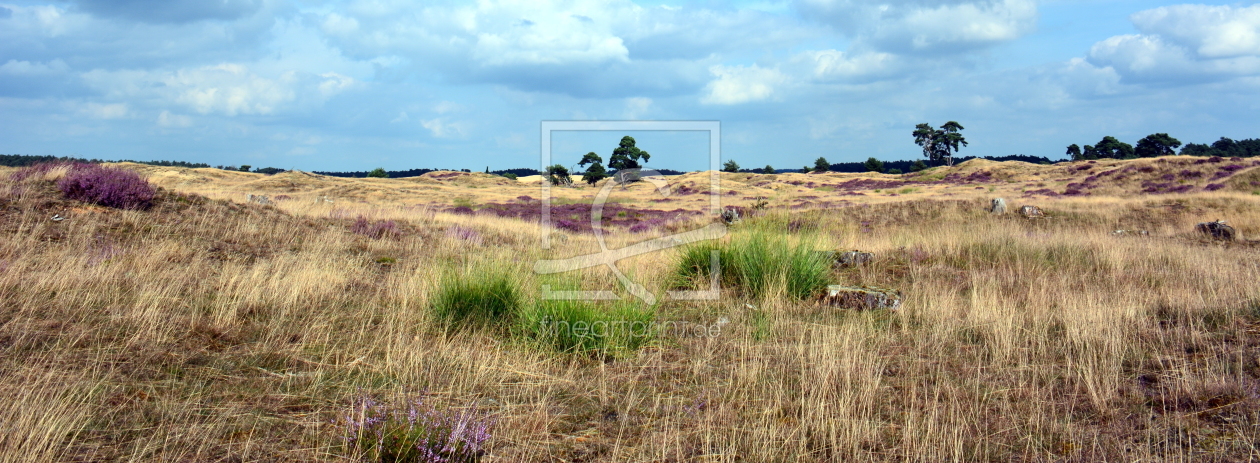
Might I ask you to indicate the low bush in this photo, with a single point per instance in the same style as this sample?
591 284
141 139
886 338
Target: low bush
584 327
416 432
476 297
106 186
375 230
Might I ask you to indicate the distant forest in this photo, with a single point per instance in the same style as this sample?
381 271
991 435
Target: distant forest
22 160
904 166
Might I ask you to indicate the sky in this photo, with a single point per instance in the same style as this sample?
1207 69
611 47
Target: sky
355 85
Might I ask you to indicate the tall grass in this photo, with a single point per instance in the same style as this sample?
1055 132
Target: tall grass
760 264
585 327
477 296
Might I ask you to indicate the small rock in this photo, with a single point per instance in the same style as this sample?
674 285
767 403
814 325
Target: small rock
999 206
1131 232
853 258
730 216
862 297
260 199
1218 230
1031 212
57 218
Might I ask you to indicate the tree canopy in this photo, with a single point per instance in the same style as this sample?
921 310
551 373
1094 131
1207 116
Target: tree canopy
596 171
378 172
626 155
768 169
821 165
1157 144
874 165
939 145
730 166
558 175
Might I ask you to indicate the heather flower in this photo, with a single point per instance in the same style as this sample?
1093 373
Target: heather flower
420 433
105 186
1214 186
375 230
465 234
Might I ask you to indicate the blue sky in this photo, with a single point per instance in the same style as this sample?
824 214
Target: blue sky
354 85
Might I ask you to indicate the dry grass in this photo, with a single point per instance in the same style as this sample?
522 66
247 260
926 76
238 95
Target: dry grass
207 330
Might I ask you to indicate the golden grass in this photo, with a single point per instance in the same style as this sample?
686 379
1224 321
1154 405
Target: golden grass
207 330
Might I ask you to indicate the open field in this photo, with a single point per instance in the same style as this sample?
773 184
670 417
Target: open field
210 329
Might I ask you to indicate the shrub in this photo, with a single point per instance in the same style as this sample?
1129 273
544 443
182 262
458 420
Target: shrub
759 264
109 187
583 327
375 230
476 297
418 432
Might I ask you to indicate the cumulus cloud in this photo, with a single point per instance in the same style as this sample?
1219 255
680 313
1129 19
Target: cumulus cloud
228 89
833 65
442 128
926 27
740 84
1185 43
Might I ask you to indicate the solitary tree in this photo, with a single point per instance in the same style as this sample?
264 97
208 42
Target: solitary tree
873 165
730 166
625 158
378 172
939 145
821 165
558 175
596 171
1074 152
1111 148
767 169
245 167
1157 144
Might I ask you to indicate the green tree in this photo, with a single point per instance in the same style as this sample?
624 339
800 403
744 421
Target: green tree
487 169
625 158
895 171
1074 152
1111 148
821 165
596 171
730 166
245 167
557 175
1157 144
918 165
873 165
768 169
1088 154
806 170
378 172
509 176
939 145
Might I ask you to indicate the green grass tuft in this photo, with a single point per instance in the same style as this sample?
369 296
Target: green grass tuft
476 297
759 265
584 327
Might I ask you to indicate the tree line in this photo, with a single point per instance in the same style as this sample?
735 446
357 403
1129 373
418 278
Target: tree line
23 160
1161 144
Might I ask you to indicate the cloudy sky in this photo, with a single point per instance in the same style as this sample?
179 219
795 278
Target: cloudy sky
353 85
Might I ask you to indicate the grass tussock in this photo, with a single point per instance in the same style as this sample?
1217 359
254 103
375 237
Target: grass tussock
758 263
582 327
478 296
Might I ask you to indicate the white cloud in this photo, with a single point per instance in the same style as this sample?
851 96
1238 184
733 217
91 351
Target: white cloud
830 65
229 89
105 111
637 106
441 128
168 119
1208 31
1185 43
27 68
739 84
914 27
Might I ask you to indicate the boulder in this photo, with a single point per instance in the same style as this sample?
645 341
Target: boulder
1031 212
862 297
260 199
730 216
853 258
998 206
1218 230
